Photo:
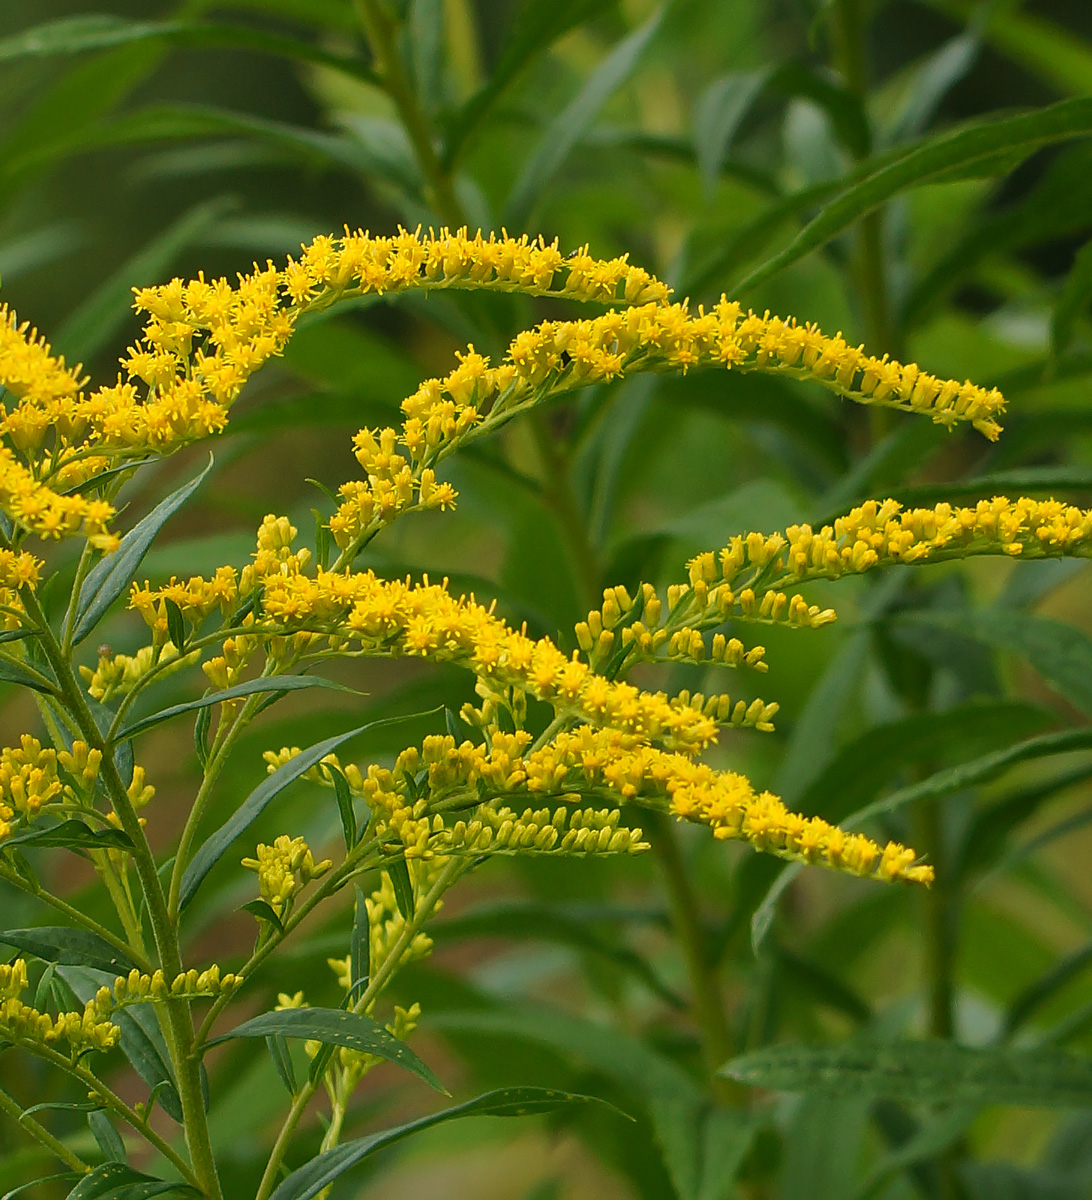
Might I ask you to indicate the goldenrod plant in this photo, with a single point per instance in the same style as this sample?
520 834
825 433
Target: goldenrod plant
269 753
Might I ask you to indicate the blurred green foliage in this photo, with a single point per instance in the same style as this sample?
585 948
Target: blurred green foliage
916 174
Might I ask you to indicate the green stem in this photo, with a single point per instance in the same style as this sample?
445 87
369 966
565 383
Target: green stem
68 627
708 1001
179 1021
940 923
446 878
381 32
41 1134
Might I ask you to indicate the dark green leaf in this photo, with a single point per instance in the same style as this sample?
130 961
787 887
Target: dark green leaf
106 1135
75 35
1036 994
572 122
62 1177
534 28
927 1072
360 949
201 736
252 807
13 672
262 911
311 1179
403 888
274 684
880 179
69 947
1073 300
1062 654
176 624
282 1061
344 807
116 1181
74 835
334 1027
110 577
718 114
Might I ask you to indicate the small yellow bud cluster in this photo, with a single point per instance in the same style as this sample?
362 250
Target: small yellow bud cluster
28 781
688 645
596 635
385 920
117 674
21 1023
138 987
501 830
284 869
82 764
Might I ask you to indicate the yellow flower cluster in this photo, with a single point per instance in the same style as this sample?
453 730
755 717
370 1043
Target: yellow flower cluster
17 569
20 1022
358 263
385 920
48 513
880 533
138 987
117 674
28 780
284 869
82 764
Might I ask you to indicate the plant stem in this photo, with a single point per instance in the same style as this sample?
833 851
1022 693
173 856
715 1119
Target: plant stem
41 1134
378 981
708 1002
180 1024
381 32
940 924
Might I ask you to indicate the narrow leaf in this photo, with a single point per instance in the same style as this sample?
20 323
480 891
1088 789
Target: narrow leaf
1072 301
335 1027
107 1136
282 1061
403 888
262 911
718 114
946 154
116 1181
176 624
61 1177
275 684
360 965
13 672
214 846
344 807
570 125
110 577
74 835
318 1174
201 736
926 1072
68 947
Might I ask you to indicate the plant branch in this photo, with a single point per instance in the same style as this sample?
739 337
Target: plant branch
41 1134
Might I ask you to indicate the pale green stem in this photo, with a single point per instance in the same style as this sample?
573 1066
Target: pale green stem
41 1134
446 878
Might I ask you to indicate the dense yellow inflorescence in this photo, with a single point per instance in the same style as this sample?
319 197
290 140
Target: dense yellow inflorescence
21 1023
28 781
284 869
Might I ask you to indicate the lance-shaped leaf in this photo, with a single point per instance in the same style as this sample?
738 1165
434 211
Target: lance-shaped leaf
272 684
115 572
974 149
23 676
73 835
253 806
335 1027
69 947
926 1072
320 1172
117 1181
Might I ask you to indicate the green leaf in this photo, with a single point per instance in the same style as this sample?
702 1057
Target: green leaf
61 1177
573 121
116 1181
535 27
176 624
91 326
106 1135
931 81
261 911
76 35
73 835
718 114
320 1172
213 847
21 676
1062 654
282 1061
274 684
926 1072
1072 301
110 577
70 947
334 1027
344 807
360 947
1043 989
965 149
201 736
403 888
